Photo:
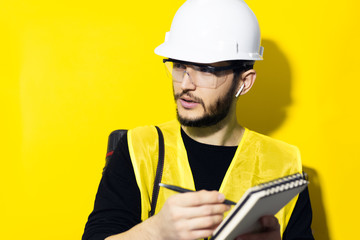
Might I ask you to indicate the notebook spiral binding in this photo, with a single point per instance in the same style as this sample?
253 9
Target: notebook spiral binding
281 184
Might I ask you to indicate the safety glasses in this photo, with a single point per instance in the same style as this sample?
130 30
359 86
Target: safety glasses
200 75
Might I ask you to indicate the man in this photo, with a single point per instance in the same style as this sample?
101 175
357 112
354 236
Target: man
210 51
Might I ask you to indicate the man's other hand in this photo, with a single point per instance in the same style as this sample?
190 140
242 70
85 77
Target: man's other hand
270 230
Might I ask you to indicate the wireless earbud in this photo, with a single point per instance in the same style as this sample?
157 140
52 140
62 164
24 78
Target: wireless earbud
240 90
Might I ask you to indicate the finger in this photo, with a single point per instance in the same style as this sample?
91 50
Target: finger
271 230
207 222
197 198
196 234
269 223
205 210
273 235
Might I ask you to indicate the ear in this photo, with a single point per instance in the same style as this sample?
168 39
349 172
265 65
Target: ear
247 78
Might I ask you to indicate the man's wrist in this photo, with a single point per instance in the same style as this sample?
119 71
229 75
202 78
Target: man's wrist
147 230
153 228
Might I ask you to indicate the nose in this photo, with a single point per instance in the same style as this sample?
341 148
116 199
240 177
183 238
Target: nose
187 83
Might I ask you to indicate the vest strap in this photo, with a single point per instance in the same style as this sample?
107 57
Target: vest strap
159 171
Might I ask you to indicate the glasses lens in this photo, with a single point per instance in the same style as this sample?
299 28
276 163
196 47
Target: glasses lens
201 76
175 71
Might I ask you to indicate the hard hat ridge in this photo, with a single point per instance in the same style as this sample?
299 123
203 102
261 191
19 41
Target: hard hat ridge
207 31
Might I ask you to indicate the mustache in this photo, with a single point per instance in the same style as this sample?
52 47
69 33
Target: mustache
190 95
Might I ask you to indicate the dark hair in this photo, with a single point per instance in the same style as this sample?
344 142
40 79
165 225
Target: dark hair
245 66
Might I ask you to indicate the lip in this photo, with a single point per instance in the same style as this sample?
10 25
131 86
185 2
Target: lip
188 103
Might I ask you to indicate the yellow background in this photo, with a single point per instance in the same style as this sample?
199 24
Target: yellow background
72 71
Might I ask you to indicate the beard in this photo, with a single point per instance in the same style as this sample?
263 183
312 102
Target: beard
213 114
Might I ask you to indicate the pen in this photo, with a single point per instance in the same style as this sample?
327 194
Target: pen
183 190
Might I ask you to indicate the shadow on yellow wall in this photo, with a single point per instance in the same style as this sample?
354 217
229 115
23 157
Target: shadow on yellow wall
264 110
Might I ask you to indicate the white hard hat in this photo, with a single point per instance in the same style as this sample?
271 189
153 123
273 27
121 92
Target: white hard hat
208 31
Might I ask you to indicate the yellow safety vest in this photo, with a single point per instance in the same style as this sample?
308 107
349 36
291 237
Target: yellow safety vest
257 159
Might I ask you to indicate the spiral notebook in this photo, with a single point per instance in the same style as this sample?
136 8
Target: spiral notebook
263 199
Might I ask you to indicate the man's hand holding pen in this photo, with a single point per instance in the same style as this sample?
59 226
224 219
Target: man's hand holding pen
196 214
191 215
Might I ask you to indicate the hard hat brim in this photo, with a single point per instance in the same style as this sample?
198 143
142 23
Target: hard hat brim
201 56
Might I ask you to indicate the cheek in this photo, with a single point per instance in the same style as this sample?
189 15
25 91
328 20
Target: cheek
218 93
209 96
176 87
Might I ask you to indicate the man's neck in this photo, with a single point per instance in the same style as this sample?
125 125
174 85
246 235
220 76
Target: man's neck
227 132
